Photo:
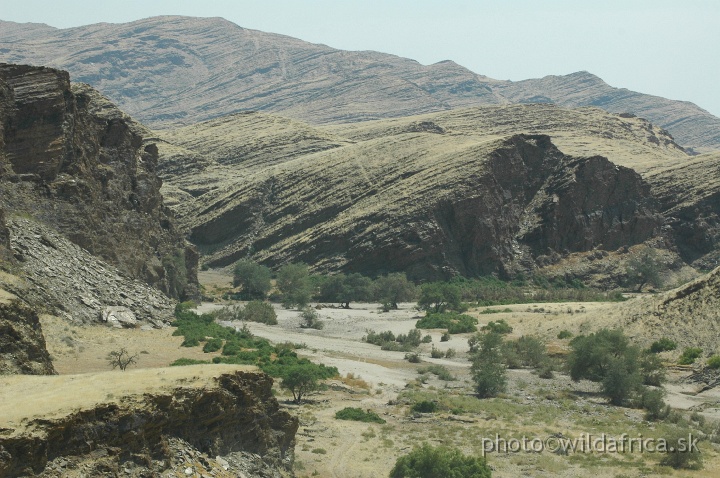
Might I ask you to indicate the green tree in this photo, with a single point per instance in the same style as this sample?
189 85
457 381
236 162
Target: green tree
439 297
436 462
293 281
644 268
344 289
301 380
253 278
591 354
488 370
394 288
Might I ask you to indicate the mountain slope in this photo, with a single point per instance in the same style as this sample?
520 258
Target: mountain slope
418 194
170 71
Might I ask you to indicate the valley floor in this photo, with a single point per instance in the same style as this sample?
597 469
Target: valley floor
386 383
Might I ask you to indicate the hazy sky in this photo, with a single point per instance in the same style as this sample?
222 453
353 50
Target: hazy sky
666 48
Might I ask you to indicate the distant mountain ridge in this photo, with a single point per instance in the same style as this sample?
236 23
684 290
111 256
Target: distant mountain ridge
173 71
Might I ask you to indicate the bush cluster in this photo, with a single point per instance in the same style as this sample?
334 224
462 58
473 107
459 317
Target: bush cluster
454 323
358 415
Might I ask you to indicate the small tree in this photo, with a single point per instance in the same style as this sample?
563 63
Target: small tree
301 380
394 288
310 319
254 279
439 297
644 268
435 462
488 370
346 288
121 359
293 281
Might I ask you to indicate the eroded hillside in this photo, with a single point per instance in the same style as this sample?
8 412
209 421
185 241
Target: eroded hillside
433 195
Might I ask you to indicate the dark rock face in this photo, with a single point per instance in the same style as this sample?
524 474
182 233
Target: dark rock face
239 414
72 160
5 255
22 344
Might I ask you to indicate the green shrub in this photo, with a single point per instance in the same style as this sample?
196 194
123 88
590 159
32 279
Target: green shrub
682 456
689 355
378 338
358 415
437 462
186 361
653 403
259 311
435 353
413 357
310 319
427 339
453 322
212 345
425 407
445 337
564 334
714 362
439 370
498 327
662 345
450 353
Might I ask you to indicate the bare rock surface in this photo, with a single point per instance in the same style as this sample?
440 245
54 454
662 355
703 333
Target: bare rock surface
77 285
172 70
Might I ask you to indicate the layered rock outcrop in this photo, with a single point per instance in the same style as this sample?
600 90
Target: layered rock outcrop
22 344
70 159
445 206
236 415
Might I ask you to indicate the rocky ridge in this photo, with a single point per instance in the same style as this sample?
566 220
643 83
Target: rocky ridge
171 71
229 426
72 160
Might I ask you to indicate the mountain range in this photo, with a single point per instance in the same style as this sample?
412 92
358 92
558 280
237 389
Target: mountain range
172 71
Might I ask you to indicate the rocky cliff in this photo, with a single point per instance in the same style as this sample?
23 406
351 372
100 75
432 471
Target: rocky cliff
229 426
22 344
180 70
73 161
